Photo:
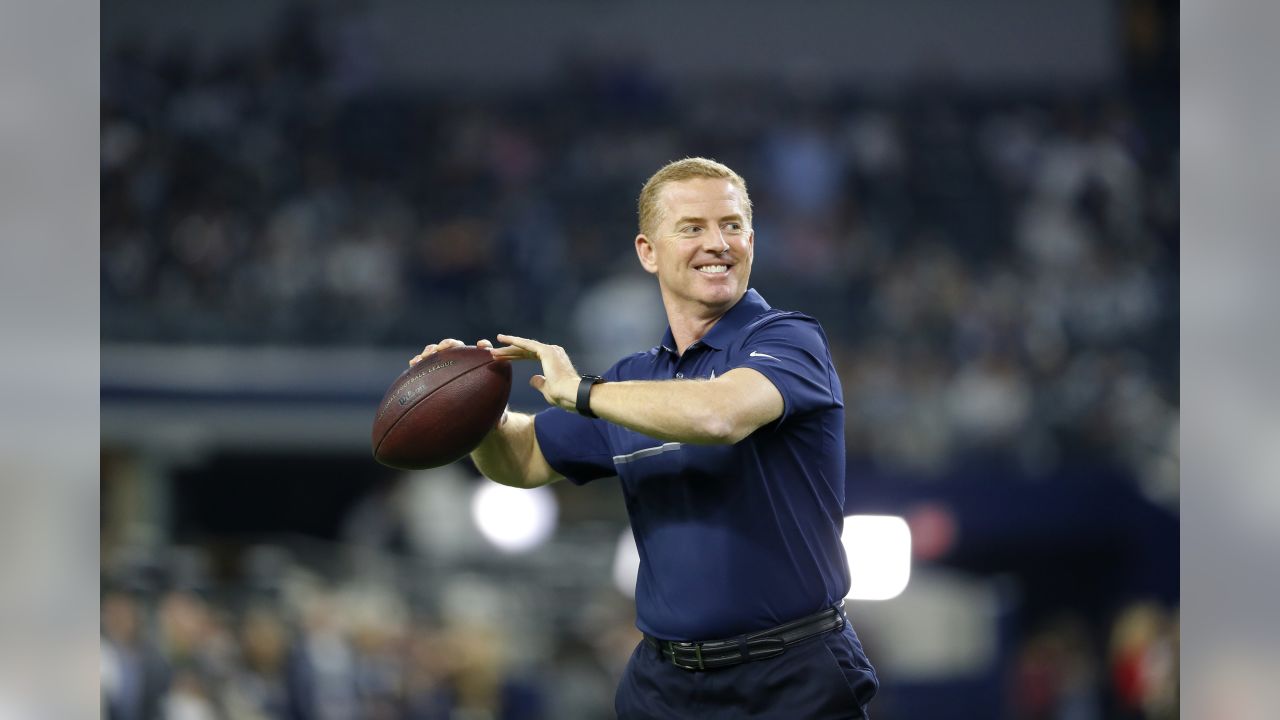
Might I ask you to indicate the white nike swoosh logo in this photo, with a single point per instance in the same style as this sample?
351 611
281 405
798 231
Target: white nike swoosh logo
760 354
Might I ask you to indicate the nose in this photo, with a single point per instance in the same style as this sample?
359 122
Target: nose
715 242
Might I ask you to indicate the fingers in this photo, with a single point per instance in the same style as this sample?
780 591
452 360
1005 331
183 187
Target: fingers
523 343
518 348
425 352
435 348
514 353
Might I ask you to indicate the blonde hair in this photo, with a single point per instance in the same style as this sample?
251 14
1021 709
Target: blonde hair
686 169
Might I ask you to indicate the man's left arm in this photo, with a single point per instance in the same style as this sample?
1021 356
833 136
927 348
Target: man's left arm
702 412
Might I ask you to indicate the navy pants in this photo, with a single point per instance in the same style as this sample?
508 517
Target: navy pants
825 677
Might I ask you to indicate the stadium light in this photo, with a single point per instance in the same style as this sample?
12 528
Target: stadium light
626 564
514 520
879 552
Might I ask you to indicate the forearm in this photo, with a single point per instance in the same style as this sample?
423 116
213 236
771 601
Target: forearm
687 411
703 412
509 454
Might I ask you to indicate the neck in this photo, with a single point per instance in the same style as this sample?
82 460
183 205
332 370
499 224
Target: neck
689 332
691 324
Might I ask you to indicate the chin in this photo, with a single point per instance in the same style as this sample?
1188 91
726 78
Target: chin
718 297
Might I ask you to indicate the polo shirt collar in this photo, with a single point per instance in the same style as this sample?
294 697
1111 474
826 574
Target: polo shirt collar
748 308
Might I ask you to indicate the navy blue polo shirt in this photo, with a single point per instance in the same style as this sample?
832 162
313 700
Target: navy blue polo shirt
732 538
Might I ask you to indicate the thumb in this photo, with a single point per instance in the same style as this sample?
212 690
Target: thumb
538 382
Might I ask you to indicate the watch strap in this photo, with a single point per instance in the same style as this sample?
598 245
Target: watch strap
583 402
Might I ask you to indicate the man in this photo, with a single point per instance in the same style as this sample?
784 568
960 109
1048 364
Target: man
728 439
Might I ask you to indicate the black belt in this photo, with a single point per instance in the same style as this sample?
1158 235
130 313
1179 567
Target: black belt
769 643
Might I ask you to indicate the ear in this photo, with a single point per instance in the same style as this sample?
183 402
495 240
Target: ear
645 251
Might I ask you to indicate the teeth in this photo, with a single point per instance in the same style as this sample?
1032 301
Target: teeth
713 269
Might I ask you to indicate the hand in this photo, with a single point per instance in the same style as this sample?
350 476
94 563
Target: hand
558 382
445 345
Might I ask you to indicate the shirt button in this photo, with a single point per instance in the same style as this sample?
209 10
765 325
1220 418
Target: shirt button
680 375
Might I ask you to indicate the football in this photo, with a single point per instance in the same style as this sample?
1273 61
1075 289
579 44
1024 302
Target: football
440 409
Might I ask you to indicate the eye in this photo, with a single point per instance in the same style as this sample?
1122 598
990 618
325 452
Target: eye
733 227
691 229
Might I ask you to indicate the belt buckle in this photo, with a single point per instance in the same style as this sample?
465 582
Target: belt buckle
697 652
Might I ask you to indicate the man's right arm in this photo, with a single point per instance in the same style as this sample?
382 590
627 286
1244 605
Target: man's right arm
510 455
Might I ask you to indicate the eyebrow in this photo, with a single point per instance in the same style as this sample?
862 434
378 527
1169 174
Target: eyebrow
690 219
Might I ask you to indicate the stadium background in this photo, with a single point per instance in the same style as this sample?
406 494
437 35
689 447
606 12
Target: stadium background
981 208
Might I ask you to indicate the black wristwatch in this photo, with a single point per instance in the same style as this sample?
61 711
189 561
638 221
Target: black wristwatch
583 405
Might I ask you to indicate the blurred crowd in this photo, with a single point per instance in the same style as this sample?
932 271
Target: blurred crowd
1060 673
359 649
317 650
997 271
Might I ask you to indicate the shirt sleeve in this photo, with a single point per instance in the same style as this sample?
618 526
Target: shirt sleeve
574 446
792 353
578 447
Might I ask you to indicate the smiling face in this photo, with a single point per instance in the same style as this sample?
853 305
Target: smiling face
701 246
